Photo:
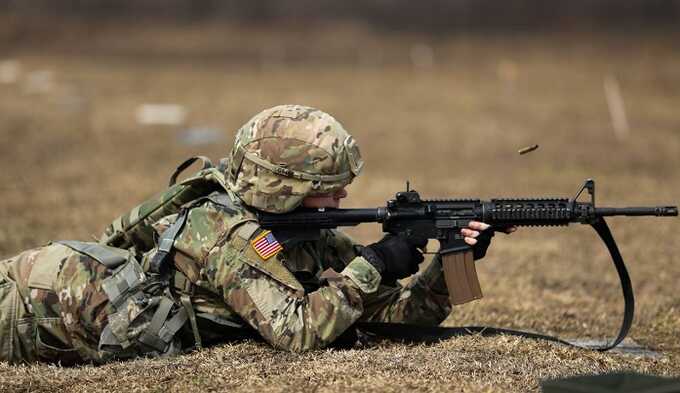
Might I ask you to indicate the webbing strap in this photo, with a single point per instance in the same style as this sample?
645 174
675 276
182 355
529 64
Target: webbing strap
186 302
107 256
428 334
172 326
150 336
223 200
206 164
166 243
122 283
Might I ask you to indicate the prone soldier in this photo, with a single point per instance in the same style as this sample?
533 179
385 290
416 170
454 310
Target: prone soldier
215 275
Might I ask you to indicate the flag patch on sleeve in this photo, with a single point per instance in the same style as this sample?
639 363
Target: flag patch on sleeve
266 245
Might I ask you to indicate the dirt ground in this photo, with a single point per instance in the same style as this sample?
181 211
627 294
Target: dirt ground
447 113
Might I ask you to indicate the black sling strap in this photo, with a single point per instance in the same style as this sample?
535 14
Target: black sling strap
600 226
429 334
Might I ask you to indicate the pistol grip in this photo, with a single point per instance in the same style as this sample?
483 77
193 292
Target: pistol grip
460 274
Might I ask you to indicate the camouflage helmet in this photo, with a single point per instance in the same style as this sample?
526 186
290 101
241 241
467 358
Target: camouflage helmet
287 153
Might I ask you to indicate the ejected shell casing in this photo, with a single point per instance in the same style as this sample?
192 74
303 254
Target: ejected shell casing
527 149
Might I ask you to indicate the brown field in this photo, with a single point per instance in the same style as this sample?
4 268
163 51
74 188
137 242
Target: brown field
73 158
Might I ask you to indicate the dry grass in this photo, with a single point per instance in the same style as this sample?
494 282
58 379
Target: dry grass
73 158
467 364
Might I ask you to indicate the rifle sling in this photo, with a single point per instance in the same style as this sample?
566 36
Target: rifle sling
410 333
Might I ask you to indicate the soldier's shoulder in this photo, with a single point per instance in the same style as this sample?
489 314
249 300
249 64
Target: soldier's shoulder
209 221
224 230
245 243
224 207
225 201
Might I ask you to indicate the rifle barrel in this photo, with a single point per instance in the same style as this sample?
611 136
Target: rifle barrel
637 211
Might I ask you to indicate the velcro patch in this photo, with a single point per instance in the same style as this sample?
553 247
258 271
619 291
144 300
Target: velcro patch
266 245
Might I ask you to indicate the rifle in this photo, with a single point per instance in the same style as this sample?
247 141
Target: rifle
410 216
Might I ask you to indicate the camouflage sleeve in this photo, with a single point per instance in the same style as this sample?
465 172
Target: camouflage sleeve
424 300
266 295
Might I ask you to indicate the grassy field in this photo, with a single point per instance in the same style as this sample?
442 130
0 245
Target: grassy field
447 113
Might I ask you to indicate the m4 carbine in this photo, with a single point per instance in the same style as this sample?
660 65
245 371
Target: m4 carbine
409 216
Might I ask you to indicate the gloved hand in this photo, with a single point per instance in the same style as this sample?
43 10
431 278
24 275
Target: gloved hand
479 234
394 257
483 243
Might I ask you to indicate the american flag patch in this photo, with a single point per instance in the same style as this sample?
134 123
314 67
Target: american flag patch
266 245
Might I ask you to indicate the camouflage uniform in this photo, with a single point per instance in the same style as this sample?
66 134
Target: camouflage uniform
66 302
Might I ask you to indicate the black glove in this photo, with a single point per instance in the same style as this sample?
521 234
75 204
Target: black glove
483 243
394 257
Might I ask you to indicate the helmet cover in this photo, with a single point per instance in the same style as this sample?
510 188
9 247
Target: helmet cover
289 152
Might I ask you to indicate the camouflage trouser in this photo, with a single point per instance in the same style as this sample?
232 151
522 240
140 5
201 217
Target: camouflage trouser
62 305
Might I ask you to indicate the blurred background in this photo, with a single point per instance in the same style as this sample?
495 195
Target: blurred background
433 15
100 100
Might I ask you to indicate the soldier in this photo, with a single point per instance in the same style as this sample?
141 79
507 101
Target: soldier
215 275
